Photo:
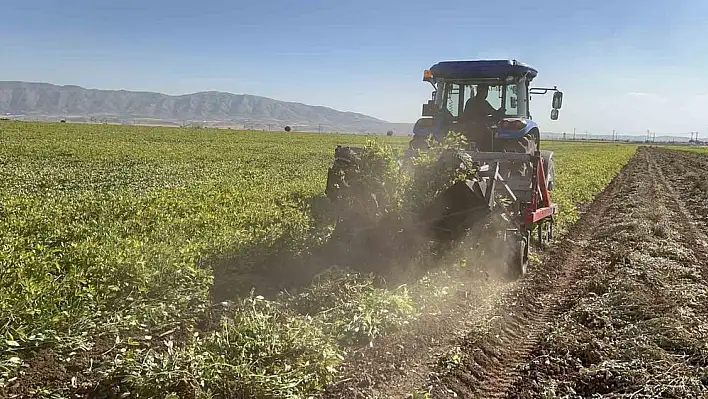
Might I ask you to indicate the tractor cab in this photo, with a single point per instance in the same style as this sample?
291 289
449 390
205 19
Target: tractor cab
485 100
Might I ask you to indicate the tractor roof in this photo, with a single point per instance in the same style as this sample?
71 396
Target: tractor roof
482 69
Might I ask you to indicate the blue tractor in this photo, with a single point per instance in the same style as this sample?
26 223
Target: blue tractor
487 102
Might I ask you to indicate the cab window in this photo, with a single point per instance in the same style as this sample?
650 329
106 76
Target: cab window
512 100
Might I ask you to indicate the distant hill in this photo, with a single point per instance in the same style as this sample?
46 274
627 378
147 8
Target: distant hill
44 101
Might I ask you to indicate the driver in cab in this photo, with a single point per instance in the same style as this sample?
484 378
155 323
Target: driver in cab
478 109
477 114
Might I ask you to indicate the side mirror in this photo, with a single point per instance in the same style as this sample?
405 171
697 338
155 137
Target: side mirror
557 99
554 114
429 108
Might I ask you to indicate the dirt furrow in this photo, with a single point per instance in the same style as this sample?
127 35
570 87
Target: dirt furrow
684 221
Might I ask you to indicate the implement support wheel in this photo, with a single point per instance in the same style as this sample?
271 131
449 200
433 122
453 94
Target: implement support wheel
519 256
544 233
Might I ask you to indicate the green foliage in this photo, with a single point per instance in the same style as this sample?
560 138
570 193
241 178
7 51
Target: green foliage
451 360
109 230
703 149
380 183
582 171
106 229
434 170
259 351
373 181
351 308
419 395
268 348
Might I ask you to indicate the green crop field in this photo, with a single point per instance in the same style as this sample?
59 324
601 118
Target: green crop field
698 149
131 253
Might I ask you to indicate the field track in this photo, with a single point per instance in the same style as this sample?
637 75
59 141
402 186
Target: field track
618 307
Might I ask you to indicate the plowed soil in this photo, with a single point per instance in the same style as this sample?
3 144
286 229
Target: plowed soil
617 308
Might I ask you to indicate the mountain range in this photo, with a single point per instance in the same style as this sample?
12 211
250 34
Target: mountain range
47 102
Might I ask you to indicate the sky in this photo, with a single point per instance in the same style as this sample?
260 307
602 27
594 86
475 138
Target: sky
626 65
